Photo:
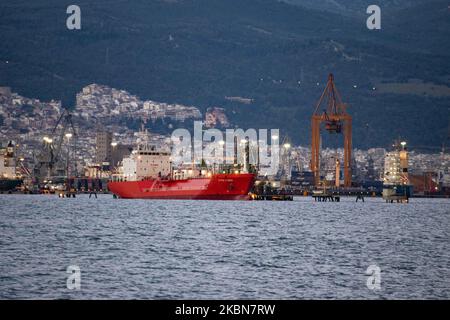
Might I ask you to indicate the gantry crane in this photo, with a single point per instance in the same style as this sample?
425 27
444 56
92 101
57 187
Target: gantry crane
337 121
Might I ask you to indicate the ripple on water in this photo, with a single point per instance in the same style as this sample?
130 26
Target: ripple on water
222 250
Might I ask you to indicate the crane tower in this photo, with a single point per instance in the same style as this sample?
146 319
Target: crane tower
337 121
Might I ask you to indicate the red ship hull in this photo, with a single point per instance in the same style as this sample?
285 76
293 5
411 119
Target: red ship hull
216 187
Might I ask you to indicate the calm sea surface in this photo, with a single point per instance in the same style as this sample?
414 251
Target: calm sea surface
222 250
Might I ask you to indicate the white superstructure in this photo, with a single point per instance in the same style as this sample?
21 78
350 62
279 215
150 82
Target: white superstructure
7 162
146 162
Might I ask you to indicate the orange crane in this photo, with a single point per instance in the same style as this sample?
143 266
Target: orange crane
337 121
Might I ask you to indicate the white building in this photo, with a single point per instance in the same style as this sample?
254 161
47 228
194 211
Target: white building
392 168
7 162
396 167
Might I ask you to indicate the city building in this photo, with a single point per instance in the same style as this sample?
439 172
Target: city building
103 147
216 117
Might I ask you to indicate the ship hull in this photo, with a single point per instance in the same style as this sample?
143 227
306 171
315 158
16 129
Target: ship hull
216 187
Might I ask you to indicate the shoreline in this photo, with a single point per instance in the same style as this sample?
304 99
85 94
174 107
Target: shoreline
294 195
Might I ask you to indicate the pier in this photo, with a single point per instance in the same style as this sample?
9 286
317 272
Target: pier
272 197
326 197
67 194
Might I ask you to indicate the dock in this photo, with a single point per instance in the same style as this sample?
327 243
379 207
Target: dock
272 197
66 194
325 196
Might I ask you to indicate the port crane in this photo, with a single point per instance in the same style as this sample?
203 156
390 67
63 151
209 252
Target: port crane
337 121
49 161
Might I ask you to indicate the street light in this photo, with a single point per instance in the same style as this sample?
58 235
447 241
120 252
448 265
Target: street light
68 136
48 140
113 154
287 145
274 137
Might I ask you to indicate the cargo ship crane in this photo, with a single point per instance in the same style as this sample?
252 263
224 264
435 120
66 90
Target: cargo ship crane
67 124
337 121
50 155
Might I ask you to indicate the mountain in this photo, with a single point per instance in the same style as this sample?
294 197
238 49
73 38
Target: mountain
355 7
274 54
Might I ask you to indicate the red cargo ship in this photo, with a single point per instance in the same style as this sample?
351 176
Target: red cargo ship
148 174
216 187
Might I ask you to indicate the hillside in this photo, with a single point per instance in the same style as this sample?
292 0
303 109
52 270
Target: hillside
355 7
198 52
